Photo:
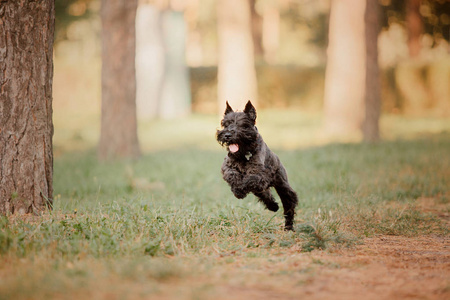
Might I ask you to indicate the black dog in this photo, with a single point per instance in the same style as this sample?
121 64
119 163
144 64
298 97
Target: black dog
250 166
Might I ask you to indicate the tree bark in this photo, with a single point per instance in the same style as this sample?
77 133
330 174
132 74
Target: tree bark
26 127
372 97
118 137
236 70
345 72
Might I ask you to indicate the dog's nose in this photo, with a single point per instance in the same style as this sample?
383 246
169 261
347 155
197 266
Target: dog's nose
228 135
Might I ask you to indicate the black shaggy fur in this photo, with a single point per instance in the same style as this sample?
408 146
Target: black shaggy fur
254 168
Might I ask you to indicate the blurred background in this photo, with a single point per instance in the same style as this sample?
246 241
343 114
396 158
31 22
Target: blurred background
185 50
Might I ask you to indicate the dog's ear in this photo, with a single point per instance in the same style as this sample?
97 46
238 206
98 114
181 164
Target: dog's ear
228 109
250 111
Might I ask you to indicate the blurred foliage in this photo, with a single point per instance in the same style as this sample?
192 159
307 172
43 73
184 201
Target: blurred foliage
295 78
316 19
278 86
297 86
68 11
435 16
303 25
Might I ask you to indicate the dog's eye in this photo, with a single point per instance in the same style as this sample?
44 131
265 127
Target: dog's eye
245 125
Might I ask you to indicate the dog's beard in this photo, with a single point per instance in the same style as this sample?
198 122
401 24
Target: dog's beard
246 142
238 135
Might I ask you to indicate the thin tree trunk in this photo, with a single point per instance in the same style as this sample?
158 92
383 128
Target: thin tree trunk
414 26
118 137
371 131
26 127
345 72
257 22
236 71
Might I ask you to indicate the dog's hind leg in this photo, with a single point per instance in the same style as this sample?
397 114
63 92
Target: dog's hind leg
288 198
268 200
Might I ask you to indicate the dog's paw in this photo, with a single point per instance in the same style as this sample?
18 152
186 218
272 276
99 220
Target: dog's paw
289 225
273 206
239 193
289 228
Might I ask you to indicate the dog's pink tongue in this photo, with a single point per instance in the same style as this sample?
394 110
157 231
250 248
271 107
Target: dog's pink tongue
233 148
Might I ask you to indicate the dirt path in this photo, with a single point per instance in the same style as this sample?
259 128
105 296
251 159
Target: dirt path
386 267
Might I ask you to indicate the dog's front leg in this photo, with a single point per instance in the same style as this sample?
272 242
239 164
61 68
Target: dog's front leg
235 180
239 192
256 183
268 200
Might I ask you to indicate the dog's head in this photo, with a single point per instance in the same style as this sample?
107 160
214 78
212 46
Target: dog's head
239 133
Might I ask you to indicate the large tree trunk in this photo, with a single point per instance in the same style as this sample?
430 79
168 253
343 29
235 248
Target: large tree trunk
236 70
345 72
118 137
26 128
372 87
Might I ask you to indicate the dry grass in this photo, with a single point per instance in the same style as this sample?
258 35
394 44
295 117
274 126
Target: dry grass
372 220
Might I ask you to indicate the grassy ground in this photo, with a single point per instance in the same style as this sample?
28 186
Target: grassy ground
167 226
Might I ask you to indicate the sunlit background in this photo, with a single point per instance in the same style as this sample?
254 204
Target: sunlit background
290 54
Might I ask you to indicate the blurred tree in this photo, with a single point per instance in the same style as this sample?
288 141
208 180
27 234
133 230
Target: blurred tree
175 92
427 25
352 84
271 31
163 88
414 26
118 136
372 97
431 17
236 67
257 22
345 70
150 60
26 127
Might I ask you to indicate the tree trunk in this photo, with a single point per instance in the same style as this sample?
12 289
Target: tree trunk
176 93
345 72
256 21
372 87
150 61
118 136
26 127
414 26
236 70
271 33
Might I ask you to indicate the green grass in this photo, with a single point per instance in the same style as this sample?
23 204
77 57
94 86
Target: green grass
170 215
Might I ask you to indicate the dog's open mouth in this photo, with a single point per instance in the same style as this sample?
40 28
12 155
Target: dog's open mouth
233 148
